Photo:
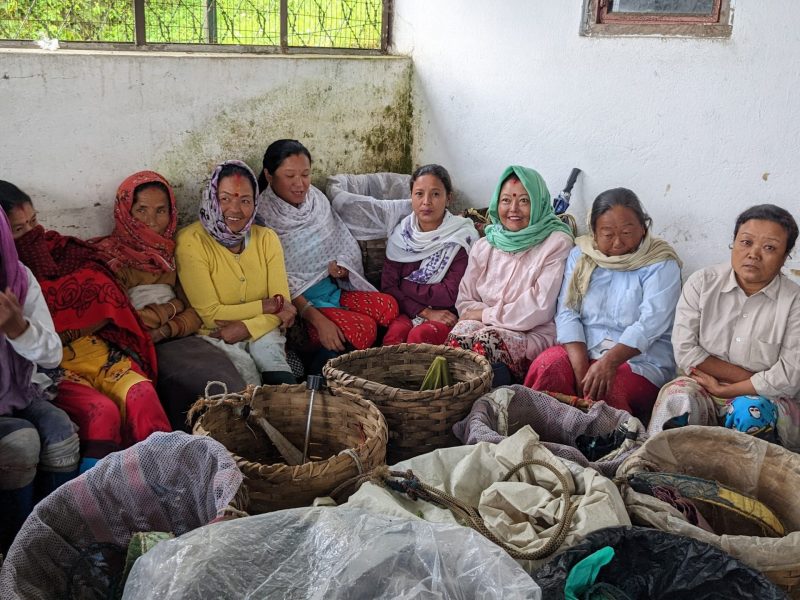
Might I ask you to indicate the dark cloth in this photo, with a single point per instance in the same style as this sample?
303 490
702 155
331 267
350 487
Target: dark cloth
186 365
81 291
414 297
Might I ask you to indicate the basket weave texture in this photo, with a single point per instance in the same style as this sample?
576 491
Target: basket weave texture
419 421
348 437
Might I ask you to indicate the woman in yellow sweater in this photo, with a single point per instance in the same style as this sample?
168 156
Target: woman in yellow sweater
141 253
233 274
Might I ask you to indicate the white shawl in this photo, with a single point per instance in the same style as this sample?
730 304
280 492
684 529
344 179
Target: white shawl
436 249
312 235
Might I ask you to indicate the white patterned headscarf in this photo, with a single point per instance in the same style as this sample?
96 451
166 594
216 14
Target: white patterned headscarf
312 235
436 249
211 214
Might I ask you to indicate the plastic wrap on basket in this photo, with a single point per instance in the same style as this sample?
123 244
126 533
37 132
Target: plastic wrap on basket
74 543
331 554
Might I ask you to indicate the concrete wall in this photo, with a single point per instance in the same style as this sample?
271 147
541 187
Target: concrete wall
75 124
699 129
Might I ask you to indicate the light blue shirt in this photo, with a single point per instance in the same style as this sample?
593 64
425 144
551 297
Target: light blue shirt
635 308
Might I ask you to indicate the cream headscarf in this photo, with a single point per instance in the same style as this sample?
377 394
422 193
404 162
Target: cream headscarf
652 250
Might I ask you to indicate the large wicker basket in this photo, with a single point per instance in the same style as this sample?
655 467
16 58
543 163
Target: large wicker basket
765 471
391 376
348 438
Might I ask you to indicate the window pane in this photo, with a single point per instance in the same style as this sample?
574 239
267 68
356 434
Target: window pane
335 23
685 7
76 21
245 22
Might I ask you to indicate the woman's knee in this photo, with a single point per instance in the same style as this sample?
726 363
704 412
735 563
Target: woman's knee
20 447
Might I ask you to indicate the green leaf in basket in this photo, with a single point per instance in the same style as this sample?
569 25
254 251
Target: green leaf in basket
438 375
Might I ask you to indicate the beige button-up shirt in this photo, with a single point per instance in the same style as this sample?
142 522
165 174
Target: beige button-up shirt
760 333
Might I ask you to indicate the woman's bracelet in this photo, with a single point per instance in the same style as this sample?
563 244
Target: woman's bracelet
306 306
279 301
174 310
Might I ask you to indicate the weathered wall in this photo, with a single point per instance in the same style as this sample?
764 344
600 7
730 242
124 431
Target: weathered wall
700 129
76 123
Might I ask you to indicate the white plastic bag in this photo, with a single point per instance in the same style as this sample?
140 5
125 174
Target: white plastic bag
330 553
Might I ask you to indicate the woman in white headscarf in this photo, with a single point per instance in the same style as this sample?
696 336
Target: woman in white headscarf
323 260
426 257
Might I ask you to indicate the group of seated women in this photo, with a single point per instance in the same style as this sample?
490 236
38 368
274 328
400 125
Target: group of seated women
105 341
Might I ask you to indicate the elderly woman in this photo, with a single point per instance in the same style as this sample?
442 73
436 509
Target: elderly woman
141 252
426 257
507 298
323 260
737 337
109 362
616 310
33 432
233 274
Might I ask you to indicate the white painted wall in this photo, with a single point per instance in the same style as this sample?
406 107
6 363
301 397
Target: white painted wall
699 129
75 124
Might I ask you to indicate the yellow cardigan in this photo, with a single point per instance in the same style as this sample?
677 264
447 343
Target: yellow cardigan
223 286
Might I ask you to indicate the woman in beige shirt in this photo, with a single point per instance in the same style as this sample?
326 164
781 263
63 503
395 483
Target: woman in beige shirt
737 332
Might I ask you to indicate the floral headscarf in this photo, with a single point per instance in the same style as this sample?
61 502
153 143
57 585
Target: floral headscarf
133 244
211 214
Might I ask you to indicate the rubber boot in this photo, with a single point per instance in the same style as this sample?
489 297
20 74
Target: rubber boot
15 506
277 377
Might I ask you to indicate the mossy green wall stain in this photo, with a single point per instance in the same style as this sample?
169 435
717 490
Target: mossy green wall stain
350 127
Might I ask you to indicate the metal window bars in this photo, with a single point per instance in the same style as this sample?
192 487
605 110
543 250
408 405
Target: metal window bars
248 25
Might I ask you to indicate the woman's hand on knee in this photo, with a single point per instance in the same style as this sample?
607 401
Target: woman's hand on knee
474 314
598 379
287 315
330 336
230 332
440 316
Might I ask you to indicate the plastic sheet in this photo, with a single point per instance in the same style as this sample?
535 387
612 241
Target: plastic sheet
330 553
73 545
654 564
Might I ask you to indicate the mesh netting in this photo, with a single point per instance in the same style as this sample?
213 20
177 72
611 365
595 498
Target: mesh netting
73 544
558 425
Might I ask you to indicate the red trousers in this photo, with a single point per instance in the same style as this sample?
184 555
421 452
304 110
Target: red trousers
403 330
359 317
551 371
98 418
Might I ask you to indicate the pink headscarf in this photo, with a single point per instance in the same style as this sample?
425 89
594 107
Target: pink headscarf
16 389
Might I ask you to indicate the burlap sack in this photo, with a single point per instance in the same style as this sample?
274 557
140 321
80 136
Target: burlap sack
522 512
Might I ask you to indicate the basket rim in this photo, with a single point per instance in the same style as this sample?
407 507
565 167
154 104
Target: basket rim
333 373
304 470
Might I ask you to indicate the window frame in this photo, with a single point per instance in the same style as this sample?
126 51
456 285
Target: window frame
140 43
597 21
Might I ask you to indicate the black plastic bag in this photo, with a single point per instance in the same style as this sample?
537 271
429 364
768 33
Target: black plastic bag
653 564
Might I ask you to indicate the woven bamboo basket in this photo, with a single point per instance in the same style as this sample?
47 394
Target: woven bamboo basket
390 376
765 471
348 438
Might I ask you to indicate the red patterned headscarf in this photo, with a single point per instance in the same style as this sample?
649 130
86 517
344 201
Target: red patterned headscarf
81 291
133 244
